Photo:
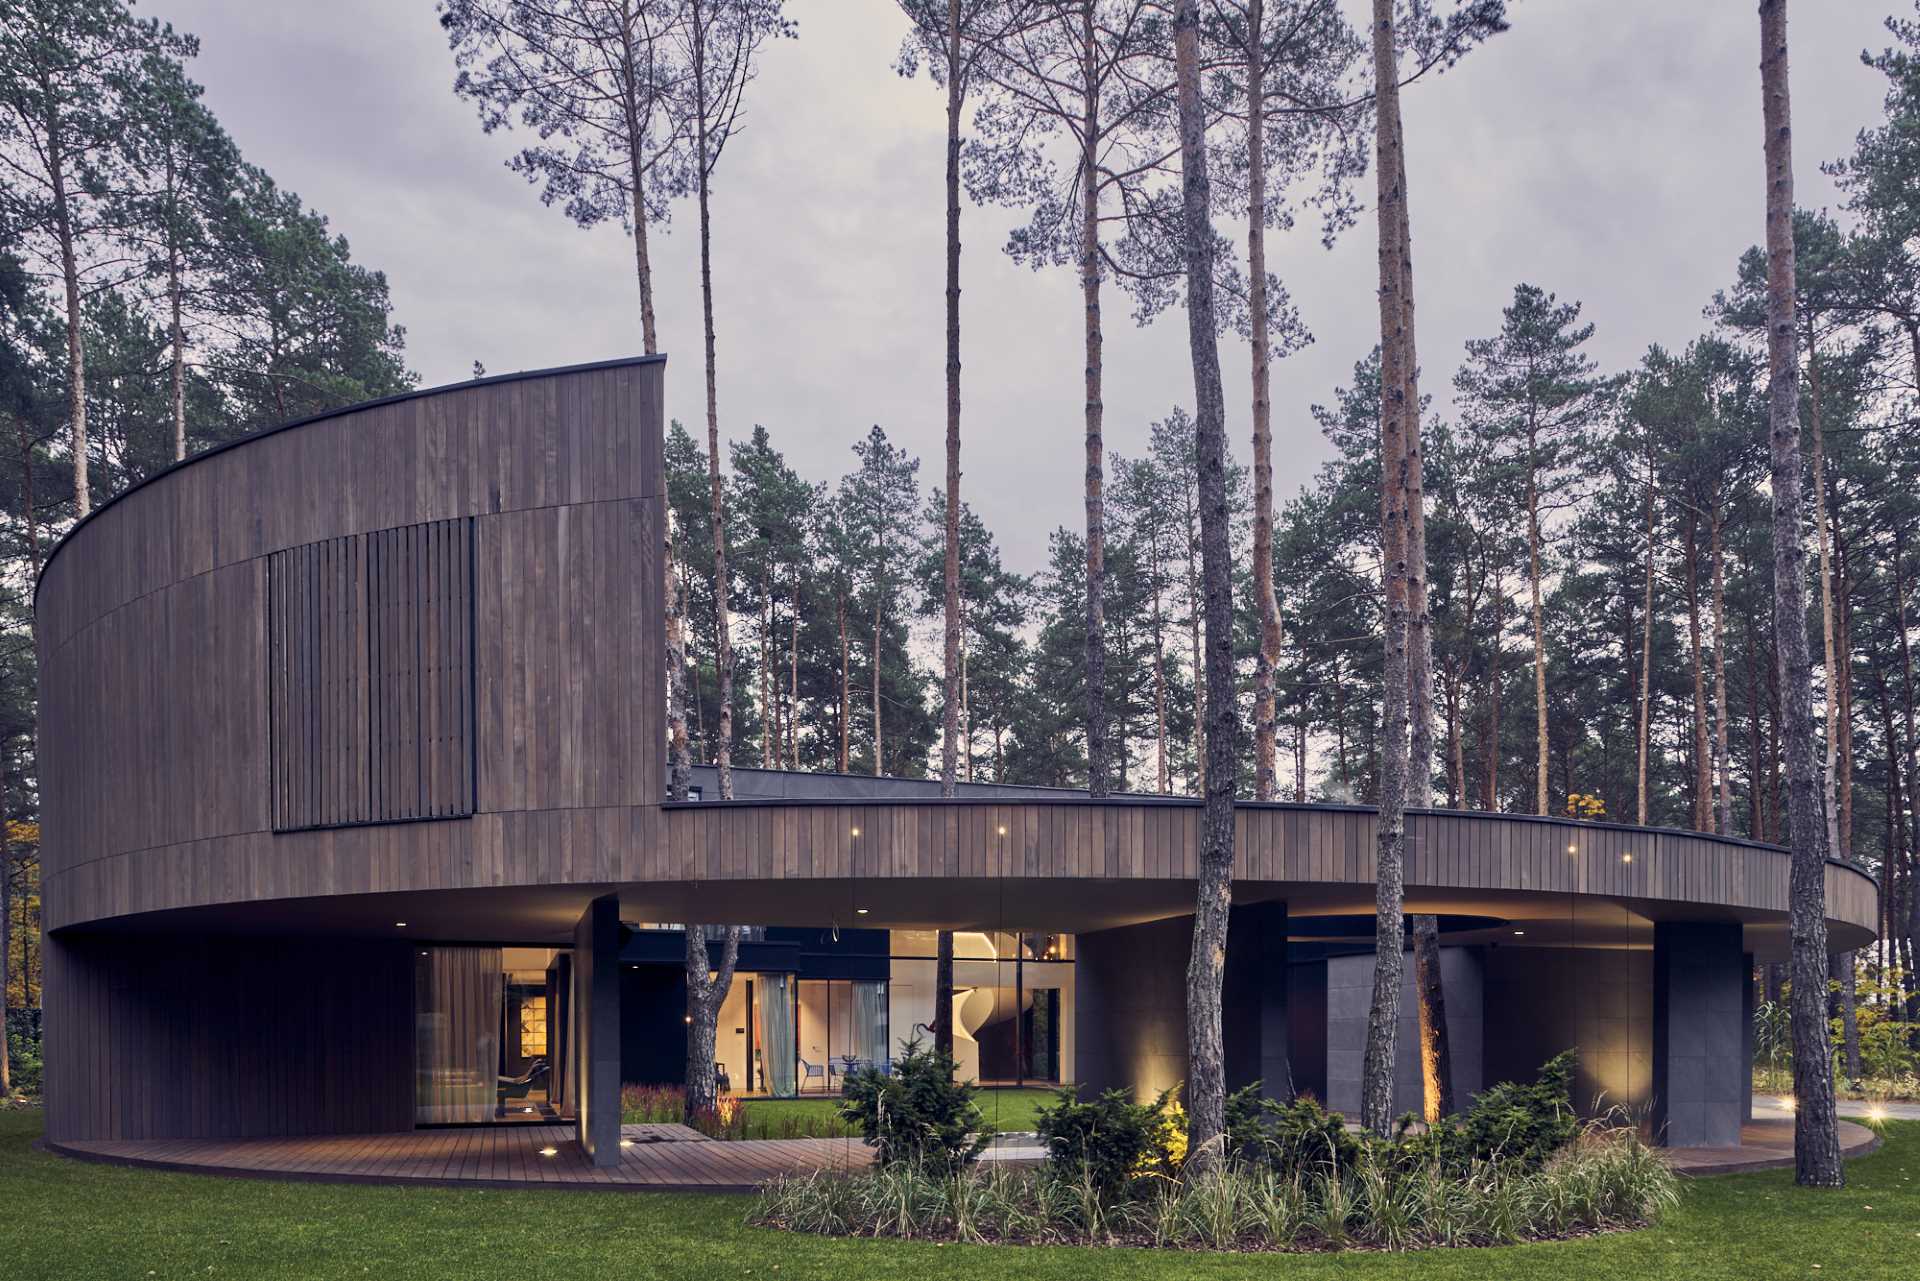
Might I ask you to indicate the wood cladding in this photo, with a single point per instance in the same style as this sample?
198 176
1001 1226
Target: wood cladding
162 1036
371 680
190 751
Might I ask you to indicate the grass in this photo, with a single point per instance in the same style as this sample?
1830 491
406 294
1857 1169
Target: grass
1008 1109
67 1219
1904 1088
819 1115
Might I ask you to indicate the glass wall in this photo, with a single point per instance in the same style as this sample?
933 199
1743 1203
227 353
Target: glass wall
1013 1002
490 1032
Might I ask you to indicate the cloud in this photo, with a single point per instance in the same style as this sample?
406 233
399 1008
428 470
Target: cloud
1610 153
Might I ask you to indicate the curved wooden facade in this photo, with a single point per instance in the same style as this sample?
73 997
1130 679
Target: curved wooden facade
404 663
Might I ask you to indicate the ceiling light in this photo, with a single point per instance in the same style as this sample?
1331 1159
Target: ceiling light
859 911
399 925
1518 933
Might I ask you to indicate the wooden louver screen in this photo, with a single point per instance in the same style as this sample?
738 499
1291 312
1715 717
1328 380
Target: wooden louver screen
371 654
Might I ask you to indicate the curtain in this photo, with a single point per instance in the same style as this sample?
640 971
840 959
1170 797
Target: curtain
774 1010
459 1006
870 1020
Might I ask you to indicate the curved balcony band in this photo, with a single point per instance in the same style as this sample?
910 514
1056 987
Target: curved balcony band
404 663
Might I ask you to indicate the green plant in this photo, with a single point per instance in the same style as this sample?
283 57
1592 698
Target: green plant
1106 1142
1511 1122
1607 1178
1299 1135
918 1114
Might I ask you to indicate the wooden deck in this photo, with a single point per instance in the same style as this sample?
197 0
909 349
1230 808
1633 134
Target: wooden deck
1764 1145
652 1158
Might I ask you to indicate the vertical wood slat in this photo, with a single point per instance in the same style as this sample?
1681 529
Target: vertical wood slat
370 675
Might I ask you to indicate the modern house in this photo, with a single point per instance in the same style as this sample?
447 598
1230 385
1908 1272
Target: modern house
352 765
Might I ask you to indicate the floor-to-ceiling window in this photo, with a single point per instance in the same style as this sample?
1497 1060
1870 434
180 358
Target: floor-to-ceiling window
1013 1002
490 1035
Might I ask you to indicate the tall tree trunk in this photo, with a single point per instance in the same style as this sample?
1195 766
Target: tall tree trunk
1723 767
70 282
1162 773
769 704
1493 693
1829 702
680 776
1436 1058
1816 1137
1206 968
1098 782
846 688
950 657
1194 612
879 766
1267 660
1702 766
723 632
706 991
1756 826
176 335
642 260
1376 1092
953 695
1646 650
793 682
1539 627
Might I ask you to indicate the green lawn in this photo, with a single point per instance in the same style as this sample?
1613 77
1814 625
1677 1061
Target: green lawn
1007 1109
67 1219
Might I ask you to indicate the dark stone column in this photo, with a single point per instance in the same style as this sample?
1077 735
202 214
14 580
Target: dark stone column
1747 1008
1698 1042
1130 1007
596 1029
1254 1000
1350 1002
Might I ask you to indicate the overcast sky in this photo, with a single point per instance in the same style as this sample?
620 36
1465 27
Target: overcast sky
1606 150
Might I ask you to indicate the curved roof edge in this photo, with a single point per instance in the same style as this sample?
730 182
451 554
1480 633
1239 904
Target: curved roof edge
397 398
1070 797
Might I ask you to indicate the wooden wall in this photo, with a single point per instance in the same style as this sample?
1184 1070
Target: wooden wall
169 1036
269 638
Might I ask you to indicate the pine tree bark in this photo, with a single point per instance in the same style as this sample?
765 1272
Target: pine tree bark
1816 1136
1376 1091
70 285
879 766
1819 484
846 687
1702 767
950 711
706 991
1436 1057
1206 967
1267 660
1646 649
1539 622
1722 767
943 993
1098 782
723 631
680 753
176 329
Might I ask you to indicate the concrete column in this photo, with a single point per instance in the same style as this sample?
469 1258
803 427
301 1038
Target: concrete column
1747 1009
596 1029
1254 1000
1699 1046
1130 1003
1350 1002
1130 1007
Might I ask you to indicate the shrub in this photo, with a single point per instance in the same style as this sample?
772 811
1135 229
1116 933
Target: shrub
918 1115
1110 1140
1521 1124
1606 1179
1300 1135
